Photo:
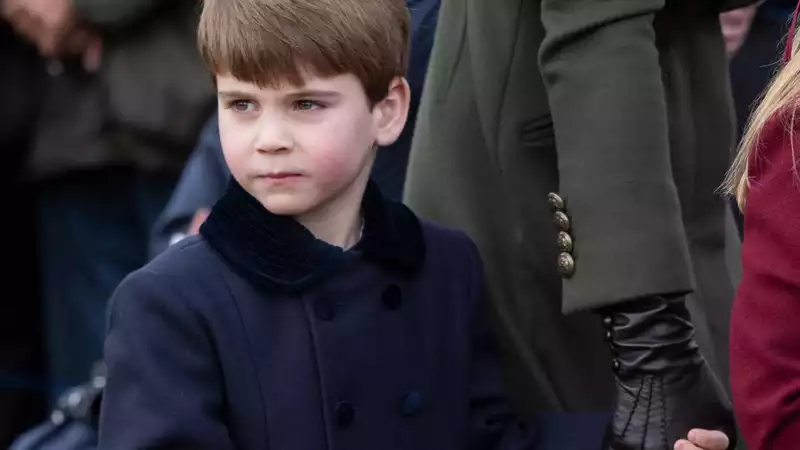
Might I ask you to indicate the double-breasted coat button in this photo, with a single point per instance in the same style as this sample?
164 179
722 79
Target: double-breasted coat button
608 336
608 322
564 242
562 221
344 414
566 265
411 403
392 297
555 201
324 309
615 364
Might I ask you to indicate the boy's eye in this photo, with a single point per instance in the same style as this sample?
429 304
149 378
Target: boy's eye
306 105
241 105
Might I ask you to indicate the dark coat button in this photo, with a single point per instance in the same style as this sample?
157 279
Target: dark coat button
324 309
555 201
566 265
411 404
615 364
345 414
562 221
608 336
565 242
392 297
608 322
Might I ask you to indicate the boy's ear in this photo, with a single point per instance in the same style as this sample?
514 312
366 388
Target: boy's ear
391 113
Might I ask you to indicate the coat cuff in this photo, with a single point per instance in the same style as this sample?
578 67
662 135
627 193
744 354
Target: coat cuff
612 256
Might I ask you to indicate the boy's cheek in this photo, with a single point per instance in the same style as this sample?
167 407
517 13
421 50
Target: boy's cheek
236 145
332 168
334 156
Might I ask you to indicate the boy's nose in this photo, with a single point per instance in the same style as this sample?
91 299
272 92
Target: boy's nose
273 138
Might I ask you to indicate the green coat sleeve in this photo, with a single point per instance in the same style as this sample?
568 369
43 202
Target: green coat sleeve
601 69
115 14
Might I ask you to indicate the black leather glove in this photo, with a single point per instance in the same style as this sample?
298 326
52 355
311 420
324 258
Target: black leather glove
664 385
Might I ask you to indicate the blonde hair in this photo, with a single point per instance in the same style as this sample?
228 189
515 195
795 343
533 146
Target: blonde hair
269 42
778 100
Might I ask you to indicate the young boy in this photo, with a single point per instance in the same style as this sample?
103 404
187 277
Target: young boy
310 313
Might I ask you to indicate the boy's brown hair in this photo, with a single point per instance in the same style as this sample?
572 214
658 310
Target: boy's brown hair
269 42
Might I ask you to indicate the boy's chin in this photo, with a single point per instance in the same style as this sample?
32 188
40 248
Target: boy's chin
287 205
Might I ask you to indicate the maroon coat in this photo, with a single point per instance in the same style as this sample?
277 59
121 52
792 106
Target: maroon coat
765 330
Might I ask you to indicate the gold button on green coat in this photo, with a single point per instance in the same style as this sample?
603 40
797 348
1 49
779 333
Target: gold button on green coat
564 242
555 201
561 220
566 265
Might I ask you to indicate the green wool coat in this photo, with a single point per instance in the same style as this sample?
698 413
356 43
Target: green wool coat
622 109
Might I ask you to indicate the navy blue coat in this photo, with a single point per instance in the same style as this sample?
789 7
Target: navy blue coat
255 335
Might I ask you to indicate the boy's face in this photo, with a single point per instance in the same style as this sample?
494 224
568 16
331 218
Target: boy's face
300 150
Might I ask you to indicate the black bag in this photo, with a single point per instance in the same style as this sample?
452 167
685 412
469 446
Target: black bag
73 423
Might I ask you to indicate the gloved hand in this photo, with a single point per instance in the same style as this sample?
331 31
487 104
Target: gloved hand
665 388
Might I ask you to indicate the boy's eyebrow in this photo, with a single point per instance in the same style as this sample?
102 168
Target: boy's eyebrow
234 94
315 93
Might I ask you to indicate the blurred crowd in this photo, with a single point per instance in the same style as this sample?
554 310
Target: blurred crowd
110 153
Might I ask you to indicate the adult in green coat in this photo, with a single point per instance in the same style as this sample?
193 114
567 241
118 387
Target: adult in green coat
614 120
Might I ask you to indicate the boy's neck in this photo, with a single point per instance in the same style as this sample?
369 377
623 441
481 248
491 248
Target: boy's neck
339 223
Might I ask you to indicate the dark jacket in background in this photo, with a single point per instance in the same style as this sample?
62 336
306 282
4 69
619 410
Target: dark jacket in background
759 57
202 183
21 79
143 108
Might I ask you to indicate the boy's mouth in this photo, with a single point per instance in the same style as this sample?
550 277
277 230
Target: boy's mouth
281 175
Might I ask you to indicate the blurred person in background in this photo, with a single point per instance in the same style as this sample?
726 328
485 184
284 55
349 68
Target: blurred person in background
21 387
126 97
736 27
755 40
202 183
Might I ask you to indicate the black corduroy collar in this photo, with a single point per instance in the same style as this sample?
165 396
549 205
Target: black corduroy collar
278 253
